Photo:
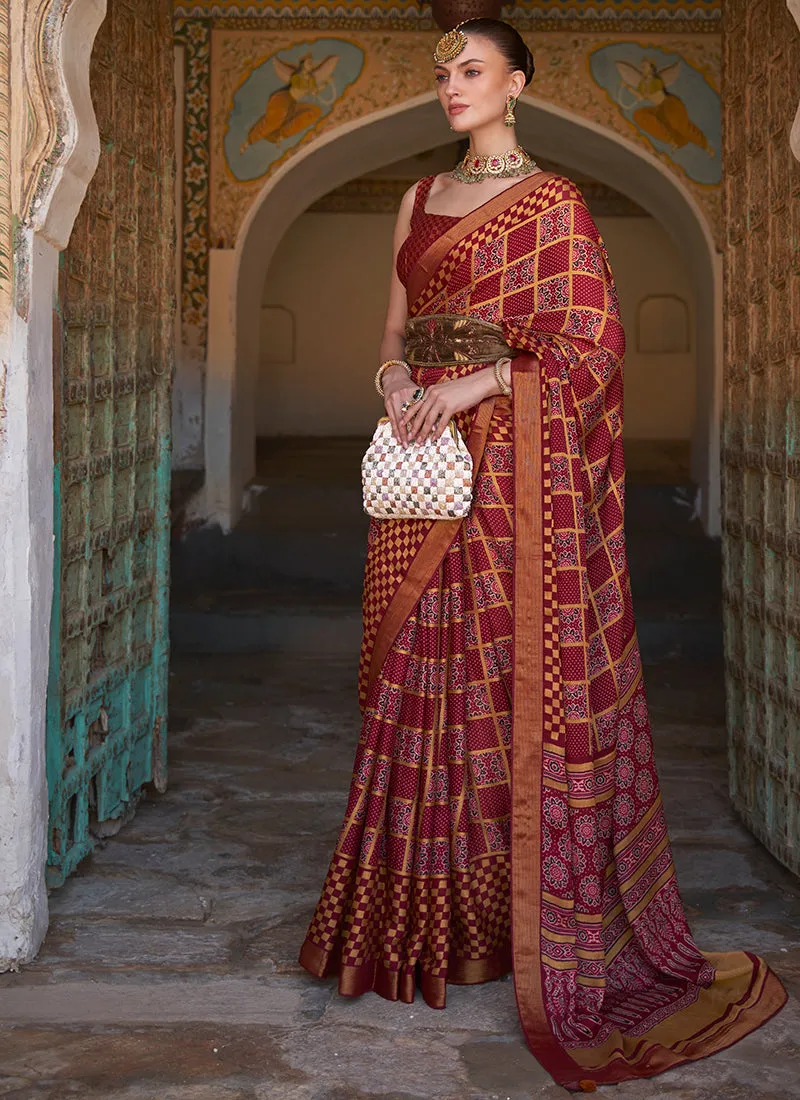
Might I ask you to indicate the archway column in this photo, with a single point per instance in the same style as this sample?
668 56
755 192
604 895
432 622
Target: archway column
226 473
52 143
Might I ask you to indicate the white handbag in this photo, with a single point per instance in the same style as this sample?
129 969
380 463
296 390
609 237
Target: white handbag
428 480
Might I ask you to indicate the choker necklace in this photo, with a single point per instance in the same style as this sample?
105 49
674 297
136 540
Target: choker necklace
474 168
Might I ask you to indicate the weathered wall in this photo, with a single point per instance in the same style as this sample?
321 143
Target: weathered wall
113 364
47 135
761 445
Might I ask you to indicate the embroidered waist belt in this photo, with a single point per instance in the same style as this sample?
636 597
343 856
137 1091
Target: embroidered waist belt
446 339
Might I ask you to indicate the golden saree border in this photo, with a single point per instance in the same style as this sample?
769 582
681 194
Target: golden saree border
429 556
430 260
402 984
744 991
528 710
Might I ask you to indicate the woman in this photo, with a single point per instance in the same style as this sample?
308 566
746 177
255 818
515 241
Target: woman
505 721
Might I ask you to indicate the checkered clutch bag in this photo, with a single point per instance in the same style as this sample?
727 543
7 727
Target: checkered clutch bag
430 480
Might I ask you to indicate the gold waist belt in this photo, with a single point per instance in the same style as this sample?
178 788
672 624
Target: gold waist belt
446 339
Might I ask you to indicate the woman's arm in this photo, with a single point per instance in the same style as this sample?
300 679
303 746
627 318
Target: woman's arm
431 416
397 386
394 339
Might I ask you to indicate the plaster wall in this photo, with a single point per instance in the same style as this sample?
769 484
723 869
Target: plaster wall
228 462
26 585
338 307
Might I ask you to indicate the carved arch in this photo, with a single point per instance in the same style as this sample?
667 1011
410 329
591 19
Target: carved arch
58 144
794 137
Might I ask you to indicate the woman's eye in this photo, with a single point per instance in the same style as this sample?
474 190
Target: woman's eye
440 77
473 72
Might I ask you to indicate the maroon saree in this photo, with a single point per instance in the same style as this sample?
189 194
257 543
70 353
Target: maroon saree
505 811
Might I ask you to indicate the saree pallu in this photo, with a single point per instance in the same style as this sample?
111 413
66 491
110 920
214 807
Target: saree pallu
505 810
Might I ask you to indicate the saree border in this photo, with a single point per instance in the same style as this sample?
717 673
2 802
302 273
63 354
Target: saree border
759 994
528 707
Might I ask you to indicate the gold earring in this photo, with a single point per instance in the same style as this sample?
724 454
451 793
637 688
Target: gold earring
510 117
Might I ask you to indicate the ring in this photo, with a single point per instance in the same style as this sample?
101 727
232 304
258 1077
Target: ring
416 396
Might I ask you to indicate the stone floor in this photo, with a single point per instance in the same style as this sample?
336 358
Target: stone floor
169 970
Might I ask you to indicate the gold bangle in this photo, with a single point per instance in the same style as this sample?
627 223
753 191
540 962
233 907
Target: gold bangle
385 366
505 389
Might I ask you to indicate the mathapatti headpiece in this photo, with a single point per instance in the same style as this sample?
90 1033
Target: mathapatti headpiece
451 44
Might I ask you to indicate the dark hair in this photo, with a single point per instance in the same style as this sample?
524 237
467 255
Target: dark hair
507 40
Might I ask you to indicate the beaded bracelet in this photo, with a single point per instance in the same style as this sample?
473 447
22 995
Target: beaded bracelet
505 389
385 366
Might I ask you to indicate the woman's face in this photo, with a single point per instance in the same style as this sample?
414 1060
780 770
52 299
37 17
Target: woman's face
474 86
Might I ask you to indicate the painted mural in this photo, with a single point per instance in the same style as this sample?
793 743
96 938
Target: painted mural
668 101
194 37
283 98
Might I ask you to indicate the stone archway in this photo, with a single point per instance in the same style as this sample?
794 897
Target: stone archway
237 276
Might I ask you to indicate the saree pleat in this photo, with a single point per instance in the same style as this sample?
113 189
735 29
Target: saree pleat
505 718
419 884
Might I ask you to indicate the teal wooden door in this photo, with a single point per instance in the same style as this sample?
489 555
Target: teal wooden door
107 698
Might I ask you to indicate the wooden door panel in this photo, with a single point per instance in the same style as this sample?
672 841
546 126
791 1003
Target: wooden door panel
109 644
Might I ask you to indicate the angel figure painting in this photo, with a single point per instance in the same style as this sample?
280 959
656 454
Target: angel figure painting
283 98
286 112
668 101
665 117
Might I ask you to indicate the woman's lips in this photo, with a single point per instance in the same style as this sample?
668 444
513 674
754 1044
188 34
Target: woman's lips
457 108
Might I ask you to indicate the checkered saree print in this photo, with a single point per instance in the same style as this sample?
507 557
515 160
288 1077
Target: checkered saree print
504 780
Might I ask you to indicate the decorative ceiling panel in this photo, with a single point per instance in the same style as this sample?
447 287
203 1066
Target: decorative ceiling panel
548 14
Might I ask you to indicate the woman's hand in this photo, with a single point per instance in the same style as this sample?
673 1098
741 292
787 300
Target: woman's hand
429 418
397 389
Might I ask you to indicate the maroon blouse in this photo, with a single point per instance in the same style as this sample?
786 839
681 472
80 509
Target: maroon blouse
425 228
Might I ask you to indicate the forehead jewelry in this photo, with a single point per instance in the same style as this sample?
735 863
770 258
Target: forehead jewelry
451 44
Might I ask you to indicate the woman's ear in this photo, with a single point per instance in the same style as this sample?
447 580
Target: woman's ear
517 83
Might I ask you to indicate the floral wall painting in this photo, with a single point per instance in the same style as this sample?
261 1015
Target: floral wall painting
668 101
283 98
